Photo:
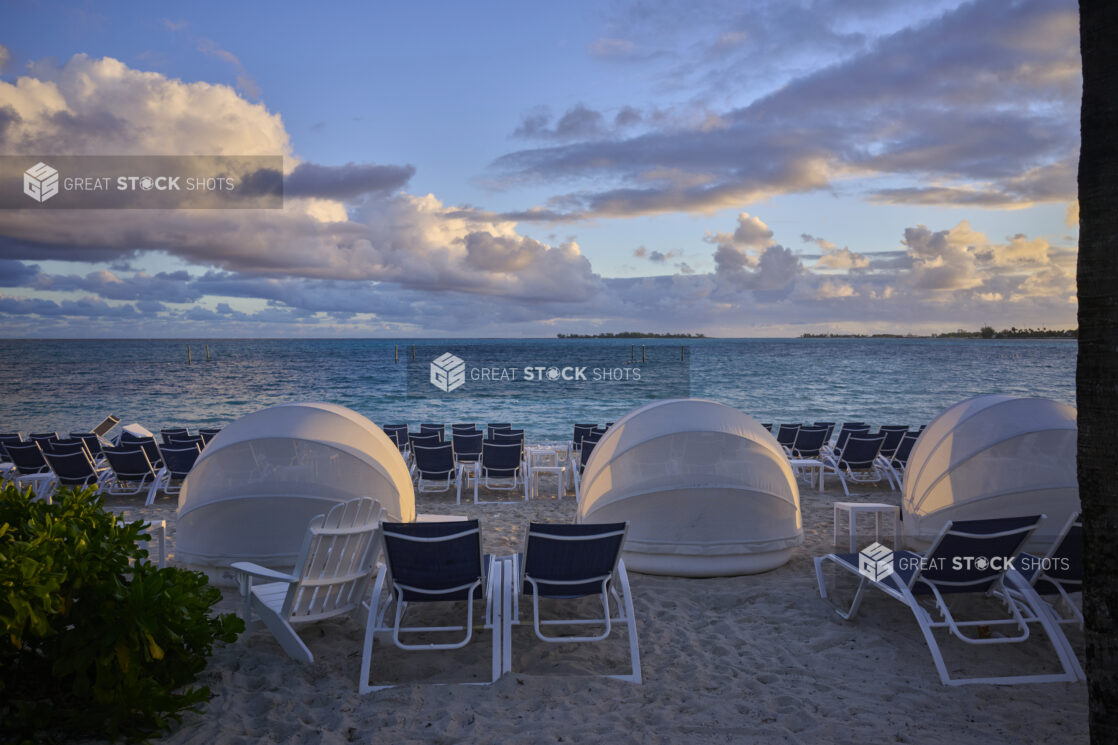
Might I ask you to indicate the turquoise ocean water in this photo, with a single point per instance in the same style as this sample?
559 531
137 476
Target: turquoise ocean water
72 384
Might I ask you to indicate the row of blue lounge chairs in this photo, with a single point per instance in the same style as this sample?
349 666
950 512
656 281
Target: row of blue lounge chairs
133 464
856 454
495 458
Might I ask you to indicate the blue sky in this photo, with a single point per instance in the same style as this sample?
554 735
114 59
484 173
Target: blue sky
739 168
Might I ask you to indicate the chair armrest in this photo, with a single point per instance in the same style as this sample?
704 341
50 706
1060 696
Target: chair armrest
255 570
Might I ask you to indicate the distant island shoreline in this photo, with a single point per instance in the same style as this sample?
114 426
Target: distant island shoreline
631 335
986 332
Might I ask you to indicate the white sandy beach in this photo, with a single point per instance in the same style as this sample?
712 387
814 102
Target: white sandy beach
745 659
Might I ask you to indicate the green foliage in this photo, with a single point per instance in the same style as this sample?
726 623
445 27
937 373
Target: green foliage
96 641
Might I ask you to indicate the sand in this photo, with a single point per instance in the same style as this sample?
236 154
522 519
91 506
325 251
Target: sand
757 658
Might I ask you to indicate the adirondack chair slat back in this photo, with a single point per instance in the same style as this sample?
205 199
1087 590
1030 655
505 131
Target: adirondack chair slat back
336 563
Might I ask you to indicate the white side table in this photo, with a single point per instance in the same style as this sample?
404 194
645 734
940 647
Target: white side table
543 460
806 464
877 509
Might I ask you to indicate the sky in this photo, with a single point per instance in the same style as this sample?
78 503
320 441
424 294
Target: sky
500 169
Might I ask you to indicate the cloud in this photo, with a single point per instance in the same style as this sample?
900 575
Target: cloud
1071 215
656 257
980 100
96 106
244 82
612 48
345 182
354 253
389 236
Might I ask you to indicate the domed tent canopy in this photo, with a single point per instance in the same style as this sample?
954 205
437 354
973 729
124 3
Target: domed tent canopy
706 490
993 456
262 478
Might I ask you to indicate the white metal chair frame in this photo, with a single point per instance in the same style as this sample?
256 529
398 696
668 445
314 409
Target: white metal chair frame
614 584
494 582
1022 604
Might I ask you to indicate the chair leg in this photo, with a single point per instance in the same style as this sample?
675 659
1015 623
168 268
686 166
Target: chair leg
371 627
631 623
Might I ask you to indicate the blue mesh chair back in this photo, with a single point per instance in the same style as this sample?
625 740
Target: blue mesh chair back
861 451
398 432
433 429
493 429
786 434
207 435
180 440
9 438
434 462
581 430
67 446
179 459
571 561
150 449
511 435
1061 568
809 441
500 460
830 428
767 425
846 431
166 434
92 442
988 546
27 458
73 468
904 449
588 446
893 436
423 440
43 438
464 428
467 446
433 561
130 463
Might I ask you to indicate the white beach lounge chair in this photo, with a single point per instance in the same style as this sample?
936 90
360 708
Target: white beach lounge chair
971 557
331 575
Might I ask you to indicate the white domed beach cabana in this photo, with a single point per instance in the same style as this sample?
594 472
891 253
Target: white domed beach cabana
707 491
993 456
262 478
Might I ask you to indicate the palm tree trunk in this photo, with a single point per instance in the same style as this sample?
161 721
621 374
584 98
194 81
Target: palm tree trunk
1096 376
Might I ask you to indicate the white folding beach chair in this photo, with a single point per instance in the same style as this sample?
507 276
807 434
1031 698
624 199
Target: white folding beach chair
330 578
971 557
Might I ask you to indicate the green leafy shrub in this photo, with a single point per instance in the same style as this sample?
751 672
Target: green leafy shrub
97 641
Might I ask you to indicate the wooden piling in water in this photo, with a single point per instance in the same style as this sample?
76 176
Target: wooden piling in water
642 353
413 353
396 354
207 353
188 355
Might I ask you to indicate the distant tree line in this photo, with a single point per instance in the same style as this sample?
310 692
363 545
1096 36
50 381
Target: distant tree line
631 335
986 332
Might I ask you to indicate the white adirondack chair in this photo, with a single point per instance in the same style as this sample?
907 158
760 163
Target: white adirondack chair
331 575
